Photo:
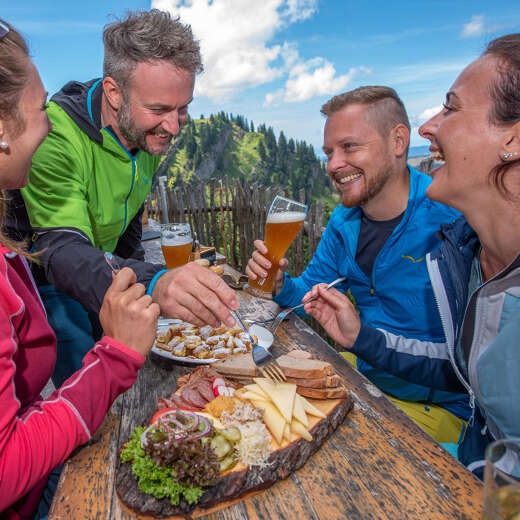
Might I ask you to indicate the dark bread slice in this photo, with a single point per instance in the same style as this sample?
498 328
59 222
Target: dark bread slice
318 382
323 393
304 368
238 365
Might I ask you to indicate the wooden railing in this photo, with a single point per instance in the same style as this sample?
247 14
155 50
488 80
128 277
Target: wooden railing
230 215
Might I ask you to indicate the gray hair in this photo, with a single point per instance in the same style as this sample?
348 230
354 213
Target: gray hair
386 108
148 36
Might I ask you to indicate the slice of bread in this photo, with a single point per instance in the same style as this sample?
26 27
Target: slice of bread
299 353
317 382
240 365
323 393
304 368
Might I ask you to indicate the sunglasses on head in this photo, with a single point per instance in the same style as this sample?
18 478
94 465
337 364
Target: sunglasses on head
4 29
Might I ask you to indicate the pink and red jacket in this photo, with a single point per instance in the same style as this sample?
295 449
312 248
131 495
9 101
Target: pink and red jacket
35 434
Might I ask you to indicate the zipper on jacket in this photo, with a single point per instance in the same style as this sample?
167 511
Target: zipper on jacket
134 177
441 299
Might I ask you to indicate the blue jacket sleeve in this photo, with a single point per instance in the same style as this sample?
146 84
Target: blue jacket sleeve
421 362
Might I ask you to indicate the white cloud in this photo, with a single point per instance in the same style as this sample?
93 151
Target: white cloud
429 113
317 77
234 38
475 27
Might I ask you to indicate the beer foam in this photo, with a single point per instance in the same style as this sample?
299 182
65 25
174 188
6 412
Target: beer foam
176 240
285 216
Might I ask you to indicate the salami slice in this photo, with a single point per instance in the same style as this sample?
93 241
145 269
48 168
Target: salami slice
204 387
191 395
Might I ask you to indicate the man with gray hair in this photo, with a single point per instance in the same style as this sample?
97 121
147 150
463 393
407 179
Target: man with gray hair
377 238
91 176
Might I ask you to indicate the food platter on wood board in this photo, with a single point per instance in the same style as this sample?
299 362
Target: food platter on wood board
214 441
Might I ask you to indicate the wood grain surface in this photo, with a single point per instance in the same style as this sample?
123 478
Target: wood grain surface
377 465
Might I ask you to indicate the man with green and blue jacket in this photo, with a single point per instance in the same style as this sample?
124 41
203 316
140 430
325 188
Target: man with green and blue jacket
91 176
378 239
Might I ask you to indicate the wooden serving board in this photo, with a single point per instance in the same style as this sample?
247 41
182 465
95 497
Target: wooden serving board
240 481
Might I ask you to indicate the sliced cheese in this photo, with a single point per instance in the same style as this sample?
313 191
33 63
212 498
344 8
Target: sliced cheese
287 432
311 409
273 419
299 411
255 389
298 428
281 394
253 397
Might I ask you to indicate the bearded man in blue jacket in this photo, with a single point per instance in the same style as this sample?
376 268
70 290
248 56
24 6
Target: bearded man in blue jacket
378 238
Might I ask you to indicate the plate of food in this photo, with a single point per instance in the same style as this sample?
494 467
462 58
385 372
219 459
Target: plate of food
185 343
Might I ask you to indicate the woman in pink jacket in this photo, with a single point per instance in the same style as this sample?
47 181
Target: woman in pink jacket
37 435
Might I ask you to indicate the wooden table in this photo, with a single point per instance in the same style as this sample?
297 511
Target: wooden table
377 465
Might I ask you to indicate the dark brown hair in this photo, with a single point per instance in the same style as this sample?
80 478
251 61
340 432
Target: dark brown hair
386 110
148 36
505 95
14 74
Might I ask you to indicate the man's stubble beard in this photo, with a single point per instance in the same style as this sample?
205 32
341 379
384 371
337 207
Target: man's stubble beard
133 135
372 189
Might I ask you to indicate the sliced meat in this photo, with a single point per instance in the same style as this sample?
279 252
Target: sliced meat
191 395
179 401
163 403
205 388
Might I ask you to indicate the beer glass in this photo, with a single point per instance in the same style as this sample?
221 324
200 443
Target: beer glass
284 221
176 242
502 480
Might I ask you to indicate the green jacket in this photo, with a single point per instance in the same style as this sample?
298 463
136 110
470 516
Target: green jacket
85 196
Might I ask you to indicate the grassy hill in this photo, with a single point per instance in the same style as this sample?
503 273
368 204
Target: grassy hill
225 145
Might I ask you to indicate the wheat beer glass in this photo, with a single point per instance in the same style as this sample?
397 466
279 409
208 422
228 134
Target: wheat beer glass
176 242
284 221
502 480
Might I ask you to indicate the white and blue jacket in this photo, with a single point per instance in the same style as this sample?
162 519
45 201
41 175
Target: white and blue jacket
398 297
482 352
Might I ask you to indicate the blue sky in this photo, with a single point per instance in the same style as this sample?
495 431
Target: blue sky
278 61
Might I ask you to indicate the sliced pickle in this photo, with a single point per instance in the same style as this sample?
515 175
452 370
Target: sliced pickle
231 434
228 462
221 446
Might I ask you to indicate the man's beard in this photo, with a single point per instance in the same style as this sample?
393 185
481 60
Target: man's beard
372 188
135 137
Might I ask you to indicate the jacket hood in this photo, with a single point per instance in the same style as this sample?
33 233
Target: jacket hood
82 103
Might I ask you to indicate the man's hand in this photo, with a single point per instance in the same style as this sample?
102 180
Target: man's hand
128 314
259 263
195 294
335 313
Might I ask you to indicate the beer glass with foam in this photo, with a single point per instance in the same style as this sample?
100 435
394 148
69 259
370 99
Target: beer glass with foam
284 221
176 242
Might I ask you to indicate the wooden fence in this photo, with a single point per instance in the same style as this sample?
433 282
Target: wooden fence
230 215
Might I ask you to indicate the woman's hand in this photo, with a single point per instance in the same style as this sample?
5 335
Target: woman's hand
128 314
258 265
335 313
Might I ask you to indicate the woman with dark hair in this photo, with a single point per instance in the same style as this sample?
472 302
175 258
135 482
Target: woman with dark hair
475 273
37 435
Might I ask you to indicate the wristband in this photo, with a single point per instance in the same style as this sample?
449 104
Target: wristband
149 291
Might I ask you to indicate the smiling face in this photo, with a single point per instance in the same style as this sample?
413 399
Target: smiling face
16 160
155 106
359 159
464 138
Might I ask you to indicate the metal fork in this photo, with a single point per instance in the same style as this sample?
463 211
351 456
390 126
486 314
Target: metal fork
283 314
264 360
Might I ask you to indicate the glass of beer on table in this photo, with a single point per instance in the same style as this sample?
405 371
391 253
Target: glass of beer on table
176 242
502 480
284 221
